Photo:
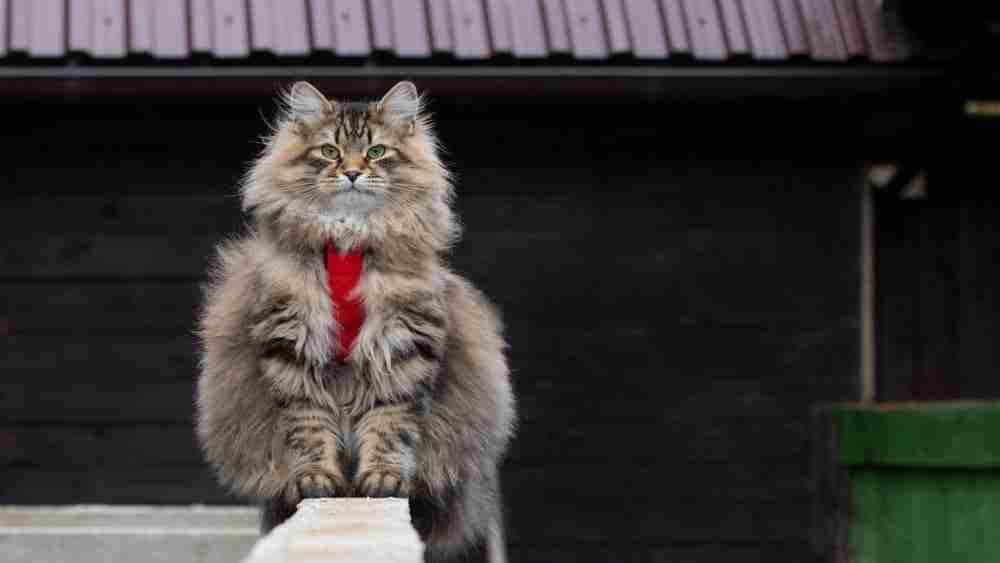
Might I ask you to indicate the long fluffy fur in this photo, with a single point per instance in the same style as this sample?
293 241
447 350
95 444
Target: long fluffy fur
424 407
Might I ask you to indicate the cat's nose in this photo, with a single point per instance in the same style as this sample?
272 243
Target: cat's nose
352 175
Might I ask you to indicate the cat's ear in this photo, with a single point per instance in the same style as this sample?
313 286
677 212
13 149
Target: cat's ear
400 105
307 104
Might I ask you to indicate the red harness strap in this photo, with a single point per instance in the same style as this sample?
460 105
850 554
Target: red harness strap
343 271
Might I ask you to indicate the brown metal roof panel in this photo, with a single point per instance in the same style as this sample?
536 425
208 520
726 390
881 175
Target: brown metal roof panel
140 26
469 26
410 29
108 39
200 24
677 35
614 17
3 27
261 26
791 23
20 25
850 27
555 23
735 28
321 24
381 24
230 29
290 27
707 39
882 47
527 30
79 24
586 29
170 34
767 42
350 28
440 17
48 36
648 39
499 23
825 40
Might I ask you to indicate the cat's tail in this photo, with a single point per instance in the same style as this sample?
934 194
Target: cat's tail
496 543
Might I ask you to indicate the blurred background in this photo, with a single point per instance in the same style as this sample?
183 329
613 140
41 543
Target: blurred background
703 220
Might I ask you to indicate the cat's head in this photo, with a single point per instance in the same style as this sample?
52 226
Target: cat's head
356 173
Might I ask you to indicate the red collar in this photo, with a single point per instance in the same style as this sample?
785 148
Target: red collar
343 272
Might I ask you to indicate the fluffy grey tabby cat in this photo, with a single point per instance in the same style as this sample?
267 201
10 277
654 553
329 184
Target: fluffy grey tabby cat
419 405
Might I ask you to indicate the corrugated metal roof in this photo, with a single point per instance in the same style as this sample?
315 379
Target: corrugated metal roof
495 32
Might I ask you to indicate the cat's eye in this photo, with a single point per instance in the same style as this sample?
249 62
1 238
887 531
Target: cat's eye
376 152
330 151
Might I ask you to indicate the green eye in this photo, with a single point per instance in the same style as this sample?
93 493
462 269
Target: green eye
330 151
376 152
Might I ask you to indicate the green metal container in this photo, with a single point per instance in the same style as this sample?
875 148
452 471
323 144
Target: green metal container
908 482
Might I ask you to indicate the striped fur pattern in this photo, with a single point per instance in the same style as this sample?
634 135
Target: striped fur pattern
423 408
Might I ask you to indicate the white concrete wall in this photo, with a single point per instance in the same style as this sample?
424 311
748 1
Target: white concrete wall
121 534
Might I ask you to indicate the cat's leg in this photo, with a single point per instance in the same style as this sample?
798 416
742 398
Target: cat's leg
401 352
316 453
273 512
387 437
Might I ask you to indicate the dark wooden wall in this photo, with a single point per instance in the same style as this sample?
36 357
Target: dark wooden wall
677 296
938 268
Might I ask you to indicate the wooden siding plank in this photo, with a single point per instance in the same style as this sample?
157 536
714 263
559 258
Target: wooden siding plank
677 34
230 29
732 22
823 31
527 30
411 36
170 34
140 26
321 24
707 39
200 22
791 23
3 27
764 29
350 28
106 485
614 16
850 27
89 445
261 25
290 27
648 39
381 24
48 20
498 18
882 47
469 25
109 29
555 23
20 25
586 29
440 16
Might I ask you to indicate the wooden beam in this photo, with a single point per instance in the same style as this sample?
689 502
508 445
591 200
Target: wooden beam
701 84
344 530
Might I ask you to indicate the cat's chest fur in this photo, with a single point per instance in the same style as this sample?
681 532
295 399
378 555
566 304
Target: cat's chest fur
353 352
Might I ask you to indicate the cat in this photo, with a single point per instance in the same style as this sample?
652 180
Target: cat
393 382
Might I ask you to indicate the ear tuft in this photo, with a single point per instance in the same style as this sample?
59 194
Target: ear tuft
400 105
306 103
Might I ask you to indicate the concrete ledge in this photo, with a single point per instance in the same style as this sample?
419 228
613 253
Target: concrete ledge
344 530
115 534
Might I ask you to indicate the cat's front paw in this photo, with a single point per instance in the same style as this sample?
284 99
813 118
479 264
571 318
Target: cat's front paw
315 483
382 481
